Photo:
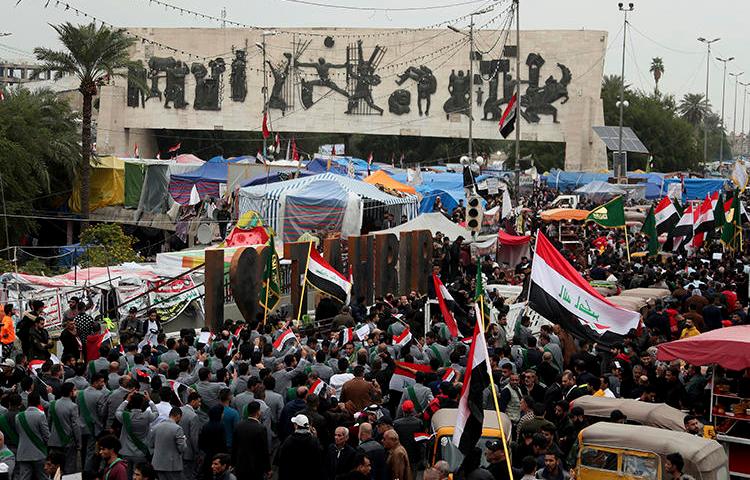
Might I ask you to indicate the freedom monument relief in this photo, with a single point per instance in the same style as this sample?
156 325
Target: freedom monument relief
366 81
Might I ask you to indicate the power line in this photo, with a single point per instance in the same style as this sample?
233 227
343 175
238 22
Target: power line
384 9
685 52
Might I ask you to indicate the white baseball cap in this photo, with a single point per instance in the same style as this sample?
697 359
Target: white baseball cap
301 420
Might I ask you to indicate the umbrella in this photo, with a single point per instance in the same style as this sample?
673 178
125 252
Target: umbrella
728 347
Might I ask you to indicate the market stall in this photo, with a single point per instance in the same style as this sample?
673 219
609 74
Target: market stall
728 351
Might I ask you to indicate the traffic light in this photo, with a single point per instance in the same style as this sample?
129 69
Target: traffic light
474 213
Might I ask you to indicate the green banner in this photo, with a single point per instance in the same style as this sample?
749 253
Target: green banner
611 214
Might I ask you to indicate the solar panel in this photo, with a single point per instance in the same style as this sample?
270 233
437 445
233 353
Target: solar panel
630 141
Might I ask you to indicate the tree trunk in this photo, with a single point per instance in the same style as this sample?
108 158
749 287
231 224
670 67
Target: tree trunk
85 154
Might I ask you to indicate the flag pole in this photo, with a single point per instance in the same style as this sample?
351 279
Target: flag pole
304 282
268 287
494 393
627 243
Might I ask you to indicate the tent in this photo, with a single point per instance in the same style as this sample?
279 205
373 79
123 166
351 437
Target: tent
275 178
728 347
270 201
448 186
107 184
188 158
599 190
381 178
512 248
696 188
206 179
340 165
320 207
560 214
434 222
565 181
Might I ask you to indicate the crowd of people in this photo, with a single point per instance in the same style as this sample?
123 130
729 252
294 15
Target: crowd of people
241 403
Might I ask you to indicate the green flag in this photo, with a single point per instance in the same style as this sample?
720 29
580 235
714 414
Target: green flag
649 228
732 222
611 214
479 290
270 293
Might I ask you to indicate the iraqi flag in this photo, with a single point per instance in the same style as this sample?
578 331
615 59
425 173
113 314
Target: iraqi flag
508 120
449 375
560 294
287 335
405 375
403 338
347 336
317 387
323 277
682 233
704 214
470 415
666 215
443 297
264 127
421 437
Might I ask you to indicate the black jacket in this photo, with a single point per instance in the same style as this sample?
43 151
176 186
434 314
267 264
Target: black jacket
339 462
250 455
300 456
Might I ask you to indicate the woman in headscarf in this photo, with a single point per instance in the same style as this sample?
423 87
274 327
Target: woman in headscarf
212 439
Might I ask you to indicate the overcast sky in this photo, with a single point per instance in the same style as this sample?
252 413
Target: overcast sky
664 28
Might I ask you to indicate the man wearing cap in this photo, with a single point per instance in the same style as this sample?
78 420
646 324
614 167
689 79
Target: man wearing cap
420 395
406 427
300 455
495 455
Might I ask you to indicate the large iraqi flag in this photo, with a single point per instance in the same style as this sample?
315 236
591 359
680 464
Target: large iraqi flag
561 295
323 277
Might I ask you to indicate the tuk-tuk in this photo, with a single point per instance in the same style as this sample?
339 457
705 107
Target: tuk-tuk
443 425
609 451
658 415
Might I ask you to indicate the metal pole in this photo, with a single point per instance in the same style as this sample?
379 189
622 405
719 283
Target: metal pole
736 84
723 92
265 89
622 84
5 215
518 101
744 106
471 88
708 74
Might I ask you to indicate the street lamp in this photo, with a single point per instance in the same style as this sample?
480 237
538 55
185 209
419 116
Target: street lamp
744 104
723 91
736 84
470 35
621 159
262 47
708 71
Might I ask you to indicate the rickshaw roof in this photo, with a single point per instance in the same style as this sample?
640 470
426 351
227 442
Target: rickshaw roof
446 417
704 454
650 414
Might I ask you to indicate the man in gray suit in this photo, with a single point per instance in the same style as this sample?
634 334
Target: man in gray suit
92 406
136 423
33 435
127 384
168 445
65 431
191 426
419 394
100 364
208 390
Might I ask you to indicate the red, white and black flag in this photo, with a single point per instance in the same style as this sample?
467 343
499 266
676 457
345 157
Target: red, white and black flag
476 379
560 294
704 215
508 121
443 298
666 215
682 233
323 277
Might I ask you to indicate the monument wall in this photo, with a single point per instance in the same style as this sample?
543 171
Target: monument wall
368 81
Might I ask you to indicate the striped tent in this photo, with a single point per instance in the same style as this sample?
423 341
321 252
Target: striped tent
269 200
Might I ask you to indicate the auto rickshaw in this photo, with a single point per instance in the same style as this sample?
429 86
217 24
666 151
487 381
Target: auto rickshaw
658 415
614 451
443 426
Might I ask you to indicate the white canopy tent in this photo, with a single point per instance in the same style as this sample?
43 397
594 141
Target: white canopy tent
434 222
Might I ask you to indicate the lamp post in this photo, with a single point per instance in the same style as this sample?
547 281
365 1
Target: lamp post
705 123
471 75
736 84
744 105
723 91
620 153
262 47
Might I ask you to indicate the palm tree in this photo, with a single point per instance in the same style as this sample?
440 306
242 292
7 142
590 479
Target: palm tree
693 108
657 68
93 55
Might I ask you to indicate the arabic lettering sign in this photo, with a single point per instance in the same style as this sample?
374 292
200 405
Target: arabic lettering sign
171 298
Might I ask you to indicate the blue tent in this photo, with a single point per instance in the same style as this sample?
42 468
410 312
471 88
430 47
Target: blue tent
696 188
448 183
654 183
565 181
214 170
340 165
275 177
